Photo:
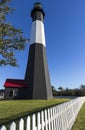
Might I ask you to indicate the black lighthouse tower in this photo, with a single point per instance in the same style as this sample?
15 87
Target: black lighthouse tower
37 74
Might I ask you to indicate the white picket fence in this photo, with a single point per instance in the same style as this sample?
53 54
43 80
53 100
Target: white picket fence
59 117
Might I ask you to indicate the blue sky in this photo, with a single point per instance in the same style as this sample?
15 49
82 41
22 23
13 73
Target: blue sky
65 41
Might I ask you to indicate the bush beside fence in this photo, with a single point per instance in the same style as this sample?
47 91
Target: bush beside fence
59 117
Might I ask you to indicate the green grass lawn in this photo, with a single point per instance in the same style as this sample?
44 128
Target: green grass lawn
13 109
80 121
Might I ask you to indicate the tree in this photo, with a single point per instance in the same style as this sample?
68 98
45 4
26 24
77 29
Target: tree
11 38
60 88
54 91
82 87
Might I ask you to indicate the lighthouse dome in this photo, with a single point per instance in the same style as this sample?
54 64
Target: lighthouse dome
37 5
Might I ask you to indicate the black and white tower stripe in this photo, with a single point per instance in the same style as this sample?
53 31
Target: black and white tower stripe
37 75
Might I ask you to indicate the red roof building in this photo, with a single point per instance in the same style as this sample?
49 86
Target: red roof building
15 83
16 89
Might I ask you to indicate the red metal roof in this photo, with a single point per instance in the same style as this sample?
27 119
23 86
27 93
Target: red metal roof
15 83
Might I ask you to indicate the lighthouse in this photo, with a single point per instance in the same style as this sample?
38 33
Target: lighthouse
36 83
37 74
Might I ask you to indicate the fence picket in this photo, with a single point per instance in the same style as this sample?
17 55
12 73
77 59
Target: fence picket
34 122
42 120
38 121
51 111
46 120
21 124
3 128
13 126
49 126
57 117
54 118
28 123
